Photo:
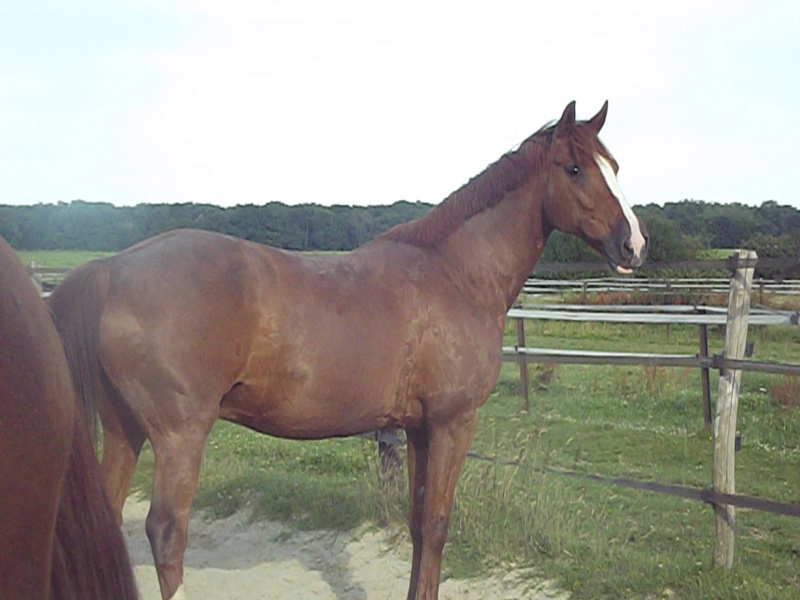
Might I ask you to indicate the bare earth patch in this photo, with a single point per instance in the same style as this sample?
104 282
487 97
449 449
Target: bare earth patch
234 559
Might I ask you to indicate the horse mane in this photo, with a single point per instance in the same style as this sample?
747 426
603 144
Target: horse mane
488 188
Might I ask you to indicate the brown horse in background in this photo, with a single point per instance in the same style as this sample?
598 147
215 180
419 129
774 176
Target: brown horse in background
59 538
189 327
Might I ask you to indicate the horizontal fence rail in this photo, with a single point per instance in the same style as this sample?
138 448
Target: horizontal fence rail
788 266
620 314
594 357
708 495
663 287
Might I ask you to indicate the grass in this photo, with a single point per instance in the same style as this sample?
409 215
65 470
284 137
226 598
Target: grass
59 259
597 541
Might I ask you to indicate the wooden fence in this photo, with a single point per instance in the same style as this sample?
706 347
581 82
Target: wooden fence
731 364
702 316
665 288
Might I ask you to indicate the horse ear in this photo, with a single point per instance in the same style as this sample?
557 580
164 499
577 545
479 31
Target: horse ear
596 122
566 121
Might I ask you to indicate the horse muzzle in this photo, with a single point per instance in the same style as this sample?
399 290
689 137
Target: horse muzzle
625 252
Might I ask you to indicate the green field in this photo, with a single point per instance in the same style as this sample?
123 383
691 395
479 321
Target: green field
597 541
59 259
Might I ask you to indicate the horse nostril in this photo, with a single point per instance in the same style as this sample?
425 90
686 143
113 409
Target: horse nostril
627 248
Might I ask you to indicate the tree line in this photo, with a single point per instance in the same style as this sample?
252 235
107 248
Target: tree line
678 230
80 225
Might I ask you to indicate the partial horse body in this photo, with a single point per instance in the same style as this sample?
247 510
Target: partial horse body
190 326
58 536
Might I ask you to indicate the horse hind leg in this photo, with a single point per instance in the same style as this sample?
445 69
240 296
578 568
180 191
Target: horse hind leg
122 443
177 468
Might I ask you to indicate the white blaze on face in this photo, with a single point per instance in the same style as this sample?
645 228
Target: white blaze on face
637 239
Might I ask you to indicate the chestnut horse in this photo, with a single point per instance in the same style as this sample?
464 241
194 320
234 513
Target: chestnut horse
190 326
58 535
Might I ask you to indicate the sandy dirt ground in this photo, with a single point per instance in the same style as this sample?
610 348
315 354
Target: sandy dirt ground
233 559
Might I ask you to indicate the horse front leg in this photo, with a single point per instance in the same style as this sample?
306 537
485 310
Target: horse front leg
447 448
417 467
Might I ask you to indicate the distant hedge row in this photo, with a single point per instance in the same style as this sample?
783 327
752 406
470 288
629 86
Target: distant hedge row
678 231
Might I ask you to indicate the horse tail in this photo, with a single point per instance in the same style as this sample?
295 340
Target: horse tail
90 559
76 306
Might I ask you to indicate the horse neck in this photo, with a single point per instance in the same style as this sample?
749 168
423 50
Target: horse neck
497 249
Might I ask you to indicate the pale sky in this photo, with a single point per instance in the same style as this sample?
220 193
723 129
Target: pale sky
367 102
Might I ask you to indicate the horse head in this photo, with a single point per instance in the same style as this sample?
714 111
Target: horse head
584 197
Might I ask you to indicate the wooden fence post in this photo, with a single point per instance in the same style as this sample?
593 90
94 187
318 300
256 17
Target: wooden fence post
705 380
35 277
727 405
523 365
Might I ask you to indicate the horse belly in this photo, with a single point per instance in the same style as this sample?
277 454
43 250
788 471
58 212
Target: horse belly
304 417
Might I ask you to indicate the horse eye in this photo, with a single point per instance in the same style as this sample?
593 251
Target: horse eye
573 170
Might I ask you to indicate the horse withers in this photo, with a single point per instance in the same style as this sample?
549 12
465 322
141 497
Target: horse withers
405 331
58 536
